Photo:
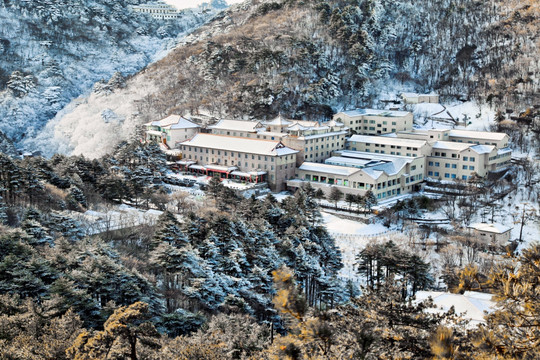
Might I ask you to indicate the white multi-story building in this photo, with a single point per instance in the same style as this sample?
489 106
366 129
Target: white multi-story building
315 141
158 10
450 154
171 131
500 140
240 158
375 122
389 145
355 172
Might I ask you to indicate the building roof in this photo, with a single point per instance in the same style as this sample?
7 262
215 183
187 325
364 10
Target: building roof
237 125
373 173
494 228
484 135
483 149
450 145
328 169
277 121
372 156
174 122
352 162
326 134
386 140
375 112
372 164
240 144
297 127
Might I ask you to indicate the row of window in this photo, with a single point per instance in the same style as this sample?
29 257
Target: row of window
447 175
372 128
360 185
443 154
448 166
232 153
391 153
393 146
322 147
389 193
373 122
499 156
476 142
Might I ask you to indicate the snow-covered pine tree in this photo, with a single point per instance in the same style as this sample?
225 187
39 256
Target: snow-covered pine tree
168 230
3 210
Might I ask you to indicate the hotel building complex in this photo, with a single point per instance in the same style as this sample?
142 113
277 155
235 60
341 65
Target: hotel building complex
387 157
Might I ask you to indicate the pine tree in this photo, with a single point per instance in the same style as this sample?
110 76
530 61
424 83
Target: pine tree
168 230
335 195
369 200
512 330
215 187
3 210
350 198
124 334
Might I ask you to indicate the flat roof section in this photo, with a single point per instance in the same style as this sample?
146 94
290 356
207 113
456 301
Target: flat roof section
328 169
385 140
237 125
483 135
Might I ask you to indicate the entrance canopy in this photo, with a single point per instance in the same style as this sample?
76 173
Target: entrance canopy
220 168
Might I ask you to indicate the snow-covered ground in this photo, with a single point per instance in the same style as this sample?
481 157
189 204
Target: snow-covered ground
351 237
115 218
471 305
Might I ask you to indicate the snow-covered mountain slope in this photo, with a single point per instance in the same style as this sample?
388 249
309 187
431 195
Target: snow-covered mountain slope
55 50
310 59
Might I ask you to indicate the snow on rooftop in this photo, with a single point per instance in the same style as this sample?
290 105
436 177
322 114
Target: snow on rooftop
297 127
375 112
483 149
374 166
238 125
372 156
495 228
373 172
385 140
392 167
328 169
450 145
279 120
175 122
341 161
244 145
485 135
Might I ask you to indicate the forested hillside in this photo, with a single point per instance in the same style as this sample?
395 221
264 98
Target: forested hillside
310 59
54 51
223 278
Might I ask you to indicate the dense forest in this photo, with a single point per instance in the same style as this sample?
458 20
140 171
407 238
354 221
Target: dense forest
225 278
